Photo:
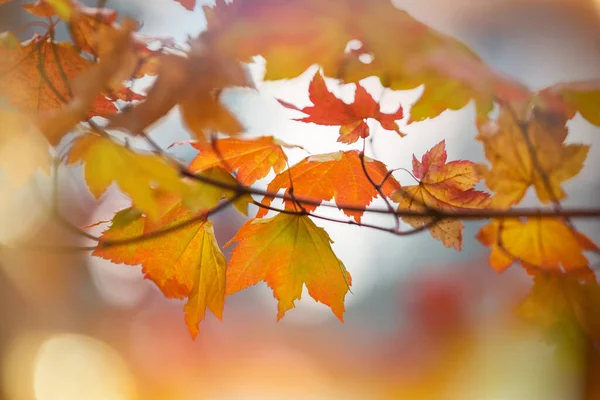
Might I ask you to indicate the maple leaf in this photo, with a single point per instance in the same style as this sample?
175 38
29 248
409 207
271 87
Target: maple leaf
291 35
538 243
508 147
118 63
287 252
194 83
183 263
337 175
36 76
295 34
136 174
330 110
23 149
252 159
443 186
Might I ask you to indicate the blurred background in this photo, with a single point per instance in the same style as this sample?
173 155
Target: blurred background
423 322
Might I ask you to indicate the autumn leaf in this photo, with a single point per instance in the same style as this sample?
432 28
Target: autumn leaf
508 147
538 243
118 63
184 263
443 186
251 159
193 83
330 110
338 176
135 174
37 76
287 252
296 34
291 35
23 149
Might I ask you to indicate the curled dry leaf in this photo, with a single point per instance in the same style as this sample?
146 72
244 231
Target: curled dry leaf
288 252
327 109
443 186
337 175
538 243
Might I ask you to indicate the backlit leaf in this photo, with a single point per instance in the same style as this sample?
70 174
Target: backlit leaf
251 159
330 110
135 174
443 186
338 176
288 252
183 263
513 169
538 243
193 83
37 76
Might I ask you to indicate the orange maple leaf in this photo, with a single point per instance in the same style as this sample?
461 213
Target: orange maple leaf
443 186
287 252
194 83
37 75
508 146
119 62
327 109
538 243
252 158
337 175
183 263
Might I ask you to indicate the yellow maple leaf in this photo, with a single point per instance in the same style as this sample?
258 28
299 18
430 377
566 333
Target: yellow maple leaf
513 167
288 252
538 243
135 174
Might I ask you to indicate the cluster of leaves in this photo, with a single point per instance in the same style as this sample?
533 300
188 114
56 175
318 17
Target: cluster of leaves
85 86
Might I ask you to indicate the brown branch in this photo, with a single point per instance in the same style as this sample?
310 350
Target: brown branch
377 187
